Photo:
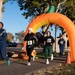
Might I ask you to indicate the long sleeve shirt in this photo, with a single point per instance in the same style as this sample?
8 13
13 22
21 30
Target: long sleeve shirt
31 39
3 35
49 40
61 42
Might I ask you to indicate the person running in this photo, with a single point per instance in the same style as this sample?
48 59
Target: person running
31 40
61 43
48 49
3 36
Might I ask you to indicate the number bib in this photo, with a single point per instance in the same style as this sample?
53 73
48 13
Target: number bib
30 42
61 42
48 40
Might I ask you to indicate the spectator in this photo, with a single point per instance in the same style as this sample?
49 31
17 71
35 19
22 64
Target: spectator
61 43
3 36
68 43
68 46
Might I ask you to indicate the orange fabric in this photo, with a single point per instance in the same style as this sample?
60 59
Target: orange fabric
33 53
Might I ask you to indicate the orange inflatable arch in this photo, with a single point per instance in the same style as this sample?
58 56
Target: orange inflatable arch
57 19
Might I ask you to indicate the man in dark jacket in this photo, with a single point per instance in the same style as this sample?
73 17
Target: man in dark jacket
61 43
3 36
48 42
31 40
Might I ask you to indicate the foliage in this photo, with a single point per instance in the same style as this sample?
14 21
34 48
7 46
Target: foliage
9 37
20 36
33 8
3 8
68 9
70 6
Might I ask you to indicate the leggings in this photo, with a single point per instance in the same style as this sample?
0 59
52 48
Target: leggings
29 51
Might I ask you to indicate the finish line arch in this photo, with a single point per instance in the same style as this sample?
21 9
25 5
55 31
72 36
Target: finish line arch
60 20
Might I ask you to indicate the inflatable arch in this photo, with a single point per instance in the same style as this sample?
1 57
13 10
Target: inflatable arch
57 19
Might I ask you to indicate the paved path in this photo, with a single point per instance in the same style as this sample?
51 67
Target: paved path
20 68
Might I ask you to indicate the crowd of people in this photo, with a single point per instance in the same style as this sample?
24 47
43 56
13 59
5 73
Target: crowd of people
31 40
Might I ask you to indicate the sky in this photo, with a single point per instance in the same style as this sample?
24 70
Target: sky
13 20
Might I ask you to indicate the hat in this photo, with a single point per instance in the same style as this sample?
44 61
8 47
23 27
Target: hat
30 29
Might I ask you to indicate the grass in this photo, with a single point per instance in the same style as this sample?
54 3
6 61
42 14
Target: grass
64 69
40 55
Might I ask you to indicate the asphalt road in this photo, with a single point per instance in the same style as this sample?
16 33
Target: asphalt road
19 67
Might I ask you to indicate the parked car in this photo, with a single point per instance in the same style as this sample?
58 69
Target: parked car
11 44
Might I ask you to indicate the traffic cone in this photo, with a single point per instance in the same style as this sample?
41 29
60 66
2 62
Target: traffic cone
69 58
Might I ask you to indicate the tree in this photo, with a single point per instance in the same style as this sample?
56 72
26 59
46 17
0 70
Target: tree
20 36
10 37
68 9
33 8
70 12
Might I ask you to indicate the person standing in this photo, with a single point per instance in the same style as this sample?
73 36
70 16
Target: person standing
68 43
3 36
68 46
61 43
48 49
31 40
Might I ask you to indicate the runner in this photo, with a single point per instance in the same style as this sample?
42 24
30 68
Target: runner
31 40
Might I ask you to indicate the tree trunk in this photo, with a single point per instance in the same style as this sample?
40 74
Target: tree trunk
1 1
46 27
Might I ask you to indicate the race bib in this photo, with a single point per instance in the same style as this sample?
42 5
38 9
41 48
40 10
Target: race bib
30 42
48 40
61 42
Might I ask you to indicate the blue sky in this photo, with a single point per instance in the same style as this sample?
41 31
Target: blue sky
12 18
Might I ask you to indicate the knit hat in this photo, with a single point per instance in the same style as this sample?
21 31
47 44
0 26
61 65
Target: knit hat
30 29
